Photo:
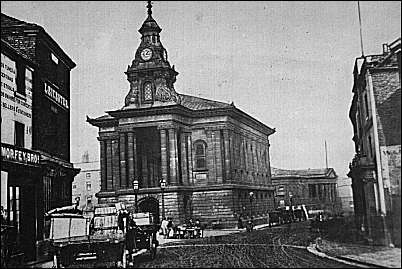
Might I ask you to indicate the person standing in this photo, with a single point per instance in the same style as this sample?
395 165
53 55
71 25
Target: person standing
164 227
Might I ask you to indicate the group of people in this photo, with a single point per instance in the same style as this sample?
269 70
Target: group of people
170 230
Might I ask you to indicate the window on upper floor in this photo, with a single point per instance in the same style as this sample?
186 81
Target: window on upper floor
200 155
88 175
19 134
54 58
89 186
74 186
147 92
21 78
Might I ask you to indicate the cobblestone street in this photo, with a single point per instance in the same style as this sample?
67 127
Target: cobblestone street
281 246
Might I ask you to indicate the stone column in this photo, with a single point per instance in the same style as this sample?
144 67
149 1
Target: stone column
123 174
103 163
130 157
136 158
109 174
164 157
116 164
184 158
145 176
173 158
227 154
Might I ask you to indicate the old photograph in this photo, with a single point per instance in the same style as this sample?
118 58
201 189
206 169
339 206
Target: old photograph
200 134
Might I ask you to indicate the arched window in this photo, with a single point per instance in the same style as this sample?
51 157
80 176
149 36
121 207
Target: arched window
200 155
147 93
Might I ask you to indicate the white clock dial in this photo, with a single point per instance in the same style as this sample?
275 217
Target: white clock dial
146 54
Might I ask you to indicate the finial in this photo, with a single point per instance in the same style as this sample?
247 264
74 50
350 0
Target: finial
149 6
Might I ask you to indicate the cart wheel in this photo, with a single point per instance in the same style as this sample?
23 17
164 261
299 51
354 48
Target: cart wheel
153 244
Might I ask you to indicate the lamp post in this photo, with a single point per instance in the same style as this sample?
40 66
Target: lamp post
291 204
251 196
135 187
163 186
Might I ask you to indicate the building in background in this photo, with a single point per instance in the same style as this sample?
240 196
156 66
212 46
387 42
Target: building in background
375 170
345 195
213 156
87 183
314 188
36 173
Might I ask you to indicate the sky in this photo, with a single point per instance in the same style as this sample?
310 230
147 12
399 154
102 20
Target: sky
288 64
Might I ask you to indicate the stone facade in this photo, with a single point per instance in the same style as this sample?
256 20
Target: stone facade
376 168
314 188
211 154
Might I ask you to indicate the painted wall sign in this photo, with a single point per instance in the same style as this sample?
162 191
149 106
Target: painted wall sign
15 106
56 97
19 155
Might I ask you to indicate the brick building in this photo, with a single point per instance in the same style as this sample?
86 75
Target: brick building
375 170
314 188
211 154
36 172
87 183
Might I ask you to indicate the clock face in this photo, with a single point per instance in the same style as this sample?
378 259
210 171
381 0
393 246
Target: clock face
146 54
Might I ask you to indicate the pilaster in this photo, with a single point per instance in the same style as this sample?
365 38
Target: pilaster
109 174
164 157
103 164
123 174
228 142
115 164
130 157
210 156
173 156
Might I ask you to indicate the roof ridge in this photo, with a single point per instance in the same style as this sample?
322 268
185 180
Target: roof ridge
206 99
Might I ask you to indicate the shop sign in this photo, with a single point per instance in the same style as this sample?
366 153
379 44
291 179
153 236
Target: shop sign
19 155
56 97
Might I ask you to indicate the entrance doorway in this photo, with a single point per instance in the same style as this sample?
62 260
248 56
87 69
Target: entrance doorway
149 204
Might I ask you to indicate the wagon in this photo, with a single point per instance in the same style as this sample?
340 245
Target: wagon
75 240
143 235
100 241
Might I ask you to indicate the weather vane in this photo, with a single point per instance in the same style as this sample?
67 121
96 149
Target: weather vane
149 6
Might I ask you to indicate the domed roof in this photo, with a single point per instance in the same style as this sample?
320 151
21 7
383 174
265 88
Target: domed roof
149 24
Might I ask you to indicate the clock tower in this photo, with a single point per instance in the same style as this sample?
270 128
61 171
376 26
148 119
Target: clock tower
150 75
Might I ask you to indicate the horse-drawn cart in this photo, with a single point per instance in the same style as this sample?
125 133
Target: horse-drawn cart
99 241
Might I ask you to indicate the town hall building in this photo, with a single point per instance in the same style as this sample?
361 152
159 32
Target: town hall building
213 156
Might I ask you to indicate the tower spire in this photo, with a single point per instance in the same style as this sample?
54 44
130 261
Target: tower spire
149 6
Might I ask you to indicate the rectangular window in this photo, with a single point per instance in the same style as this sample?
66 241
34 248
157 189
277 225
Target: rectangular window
89 186
14 206
20 78
19 134
88 175
74 187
